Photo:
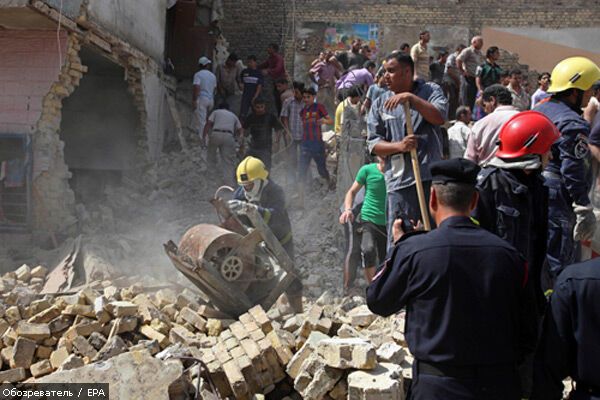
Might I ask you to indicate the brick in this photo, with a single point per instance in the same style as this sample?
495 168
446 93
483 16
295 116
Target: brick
22 353
150 333
43 352
283 352
261 319
79 309
37 332
214 327
190 316
390 352
71 362
12 315
238 330
348 353
249 373
236 380
41 368
13 375
219 378
60 323
209 312
45 316
39 272
23 273
221 353
122 308
83 347
383 382
179 334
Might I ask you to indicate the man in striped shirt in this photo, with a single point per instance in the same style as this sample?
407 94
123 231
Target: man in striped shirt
312 147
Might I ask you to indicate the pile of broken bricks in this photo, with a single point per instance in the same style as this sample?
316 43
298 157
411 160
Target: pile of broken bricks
336 349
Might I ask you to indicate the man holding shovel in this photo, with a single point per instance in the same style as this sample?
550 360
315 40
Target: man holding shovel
390 135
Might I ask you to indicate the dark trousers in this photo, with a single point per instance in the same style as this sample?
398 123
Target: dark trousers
264 154
483 385
352 258
373 244
405 201
317 154
468 91
562 248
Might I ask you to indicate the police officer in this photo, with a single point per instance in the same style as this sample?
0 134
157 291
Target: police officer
463 289
256 190
513 201
570 215
569 340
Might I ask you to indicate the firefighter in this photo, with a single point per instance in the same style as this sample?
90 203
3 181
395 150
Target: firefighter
256 190
570 213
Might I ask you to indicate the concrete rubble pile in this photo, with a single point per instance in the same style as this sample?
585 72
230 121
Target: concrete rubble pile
336 349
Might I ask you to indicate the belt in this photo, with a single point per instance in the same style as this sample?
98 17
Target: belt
222 131
585 388
462 372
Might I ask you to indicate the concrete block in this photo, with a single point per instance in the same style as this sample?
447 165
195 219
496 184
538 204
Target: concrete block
348 353
361 316
23 273
340 390
112 348
385 382
390 352
84 348
295 365
71 362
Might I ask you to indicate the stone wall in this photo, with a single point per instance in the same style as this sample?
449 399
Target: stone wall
251 25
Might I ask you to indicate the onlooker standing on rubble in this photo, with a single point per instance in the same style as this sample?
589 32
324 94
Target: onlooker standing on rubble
257 191
283 89
405 48
352 57
452 80
226 128
259 125
228 81
541 92
352 100
252 84
361 78
274 68
372 214
387 136
473 282
203 92
312 147
520 97
458 134
570 212
489 72
420 55
497 103
375 90
290 118
568 345
467 62
436 69
324 73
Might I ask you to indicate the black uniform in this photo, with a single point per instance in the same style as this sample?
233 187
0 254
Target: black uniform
514 206
570 340
464 289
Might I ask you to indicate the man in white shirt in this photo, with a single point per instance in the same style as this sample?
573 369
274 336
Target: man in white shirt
420 55
497 103
226 127
203 92
459 133
520 97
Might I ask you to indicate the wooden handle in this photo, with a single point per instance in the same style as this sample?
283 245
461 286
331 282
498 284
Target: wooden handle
417 171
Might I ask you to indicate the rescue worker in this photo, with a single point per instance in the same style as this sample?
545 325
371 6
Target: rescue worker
569 341
570 214
513 201
257 191
464 290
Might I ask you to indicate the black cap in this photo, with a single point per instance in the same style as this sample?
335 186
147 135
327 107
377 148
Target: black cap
454 170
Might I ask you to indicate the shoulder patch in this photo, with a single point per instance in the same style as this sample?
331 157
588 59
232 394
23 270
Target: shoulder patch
581 149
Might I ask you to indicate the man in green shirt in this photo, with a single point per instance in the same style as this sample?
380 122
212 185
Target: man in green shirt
372 215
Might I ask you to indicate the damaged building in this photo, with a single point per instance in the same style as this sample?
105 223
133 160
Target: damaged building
85 98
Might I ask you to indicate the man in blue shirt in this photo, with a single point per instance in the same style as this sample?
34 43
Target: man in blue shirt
252 83
387 135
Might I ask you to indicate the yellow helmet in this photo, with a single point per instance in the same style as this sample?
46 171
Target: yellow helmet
573 73
250 169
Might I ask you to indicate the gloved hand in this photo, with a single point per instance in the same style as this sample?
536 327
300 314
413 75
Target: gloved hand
585 225
239 206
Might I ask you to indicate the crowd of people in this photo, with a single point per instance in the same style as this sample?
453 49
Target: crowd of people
497 306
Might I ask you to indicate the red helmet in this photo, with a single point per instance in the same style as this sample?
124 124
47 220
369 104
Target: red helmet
528 132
